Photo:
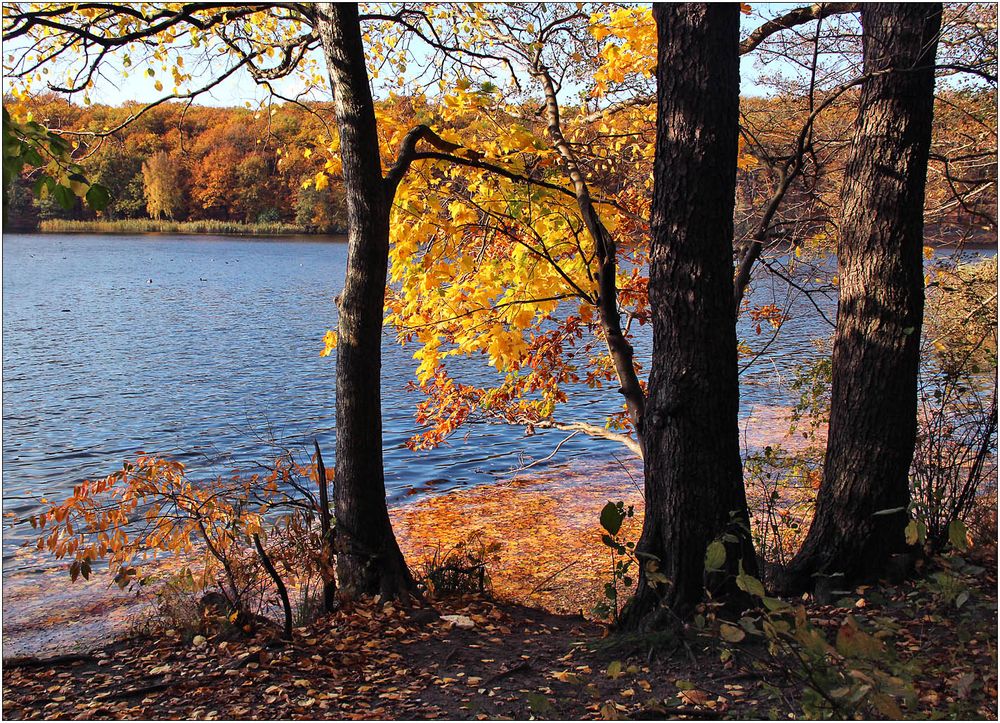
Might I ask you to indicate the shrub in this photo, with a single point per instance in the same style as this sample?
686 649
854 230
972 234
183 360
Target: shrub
954 465
256 535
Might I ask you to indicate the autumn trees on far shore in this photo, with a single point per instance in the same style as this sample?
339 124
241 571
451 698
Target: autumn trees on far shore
194 164
487 226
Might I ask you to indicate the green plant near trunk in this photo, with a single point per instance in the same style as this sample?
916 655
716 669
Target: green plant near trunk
622 558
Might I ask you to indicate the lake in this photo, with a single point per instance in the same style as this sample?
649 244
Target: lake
205 348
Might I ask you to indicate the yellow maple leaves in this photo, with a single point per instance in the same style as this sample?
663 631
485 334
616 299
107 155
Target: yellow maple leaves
522 318
461 214
629 45
484 264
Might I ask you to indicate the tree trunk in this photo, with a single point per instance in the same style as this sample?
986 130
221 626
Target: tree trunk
873 413
694 478
368 557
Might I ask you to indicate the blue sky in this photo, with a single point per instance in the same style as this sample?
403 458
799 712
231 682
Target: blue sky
240 88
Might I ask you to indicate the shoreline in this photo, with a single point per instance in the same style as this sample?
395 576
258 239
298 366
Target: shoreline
133 227
46 613
982 241
542 526
762 426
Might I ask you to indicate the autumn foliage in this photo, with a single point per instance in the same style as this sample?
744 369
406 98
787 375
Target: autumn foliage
233 530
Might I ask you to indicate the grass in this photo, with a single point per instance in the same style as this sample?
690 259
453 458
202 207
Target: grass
146 225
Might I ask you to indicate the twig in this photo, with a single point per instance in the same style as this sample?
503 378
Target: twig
329 586
523 665
278 583
549 456
30 661
141 690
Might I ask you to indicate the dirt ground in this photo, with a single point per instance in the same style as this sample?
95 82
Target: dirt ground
500 660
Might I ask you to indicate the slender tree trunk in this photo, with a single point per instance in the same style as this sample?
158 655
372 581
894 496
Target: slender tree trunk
621 351
694 477
326 533
368 557
873 413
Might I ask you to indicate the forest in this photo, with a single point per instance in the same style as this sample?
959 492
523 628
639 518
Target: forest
191 164
180 162
571 197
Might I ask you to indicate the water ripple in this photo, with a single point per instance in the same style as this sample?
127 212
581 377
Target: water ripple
220 351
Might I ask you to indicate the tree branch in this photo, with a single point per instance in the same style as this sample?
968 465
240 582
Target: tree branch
593 430
798 16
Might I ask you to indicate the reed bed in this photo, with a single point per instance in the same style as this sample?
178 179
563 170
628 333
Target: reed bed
145 225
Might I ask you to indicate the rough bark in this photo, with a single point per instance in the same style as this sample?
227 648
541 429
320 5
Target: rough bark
873 414
368 558
693 472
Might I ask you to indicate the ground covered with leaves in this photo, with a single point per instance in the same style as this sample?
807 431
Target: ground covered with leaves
471 657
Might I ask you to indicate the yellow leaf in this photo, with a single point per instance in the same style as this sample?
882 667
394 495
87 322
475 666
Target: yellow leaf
566 676
329 342
523 318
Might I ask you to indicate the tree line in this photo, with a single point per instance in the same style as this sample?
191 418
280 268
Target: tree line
189 164
549 194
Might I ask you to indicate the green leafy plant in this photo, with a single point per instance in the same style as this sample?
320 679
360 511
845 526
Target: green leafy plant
812 382
622 558
855 674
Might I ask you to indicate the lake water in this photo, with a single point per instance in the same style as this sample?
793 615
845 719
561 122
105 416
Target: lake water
203 348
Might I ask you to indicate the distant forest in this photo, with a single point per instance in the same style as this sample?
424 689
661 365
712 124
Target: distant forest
180 162
191 163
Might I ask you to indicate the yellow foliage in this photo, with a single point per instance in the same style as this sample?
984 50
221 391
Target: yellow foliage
329 342
632 50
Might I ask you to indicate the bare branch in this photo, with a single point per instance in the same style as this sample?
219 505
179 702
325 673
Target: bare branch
798 16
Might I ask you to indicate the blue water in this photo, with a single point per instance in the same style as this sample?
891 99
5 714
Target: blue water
205 348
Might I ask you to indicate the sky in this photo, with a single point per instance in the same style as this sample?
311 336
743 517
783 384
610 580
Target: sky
240 89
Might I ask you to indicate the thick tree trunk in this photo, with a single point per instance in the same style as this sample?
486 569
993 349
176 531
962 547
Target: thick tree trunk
876 350
368 557
694 478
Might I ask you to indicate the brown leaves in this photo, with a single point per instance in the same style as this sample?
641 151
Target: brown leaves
549 552
694 697
371 662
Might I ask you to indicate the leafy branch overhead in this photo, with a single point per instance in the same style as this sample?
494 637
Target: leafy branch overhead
31 149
